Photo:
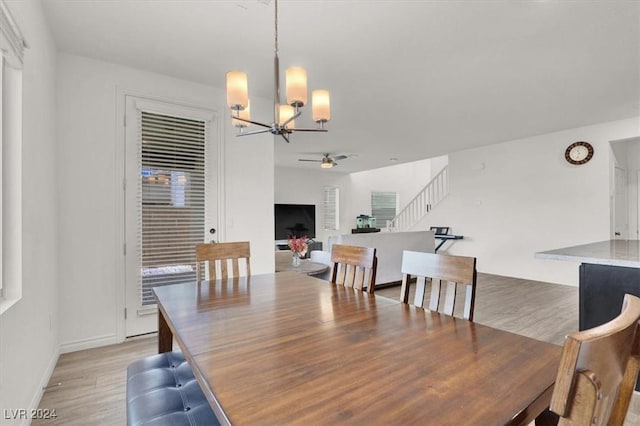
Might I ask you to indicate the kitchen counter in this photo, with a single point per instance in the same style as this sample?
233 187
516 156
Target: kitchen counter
608 271
611 252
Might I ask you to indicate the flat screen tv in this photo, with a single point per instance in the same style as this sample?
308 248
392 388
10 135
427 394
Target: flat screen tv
295 220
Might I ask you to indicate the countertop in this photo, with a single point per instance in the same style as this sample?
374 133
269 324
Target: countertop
610 252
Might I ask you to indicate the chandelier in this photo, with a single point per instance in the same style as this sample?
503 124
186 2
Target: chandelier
284 115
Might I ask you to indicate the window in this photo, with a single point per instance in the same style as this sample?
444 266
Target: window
12 50
383 207
331 208
172 202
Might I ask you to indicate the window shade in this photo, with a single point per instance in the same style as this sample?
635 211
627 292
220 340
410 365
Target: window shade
12 46
171 199
331 208
383 207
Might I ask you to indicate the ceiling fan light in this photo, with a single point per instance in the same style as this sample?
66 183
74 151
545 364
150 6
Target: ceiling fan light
321 106
246 114
326 163
237 90
286 112
296 83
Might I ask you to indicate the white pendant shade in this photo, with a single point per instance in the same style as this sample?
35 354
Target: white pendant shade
237 90
286 112
321 106
296 83
246 114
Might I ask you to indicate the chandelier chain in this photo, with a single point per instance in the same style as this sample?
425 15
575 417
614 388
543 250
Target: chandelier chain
276 27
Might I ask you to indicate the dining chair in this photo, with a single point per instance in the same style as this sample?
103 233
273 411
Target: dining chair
596 378
354 266
219 255
439 268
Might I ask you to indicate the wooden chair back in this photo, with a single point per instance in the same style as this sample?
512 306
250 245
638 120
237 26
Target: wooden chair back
595 375
354 266
219 255
439 268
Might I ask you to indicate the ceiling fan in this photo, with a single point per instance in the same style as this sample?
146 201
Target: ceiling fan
327 161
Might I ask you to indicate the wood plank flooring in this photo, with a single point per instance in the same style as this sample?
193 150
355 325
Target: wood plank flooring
92 389
534 309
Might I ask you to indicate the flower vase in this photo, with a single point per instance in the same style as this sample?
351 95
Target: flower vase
295 261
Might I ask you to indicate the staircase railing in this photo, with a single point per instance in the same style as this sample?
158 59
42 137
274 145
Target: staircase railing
432 193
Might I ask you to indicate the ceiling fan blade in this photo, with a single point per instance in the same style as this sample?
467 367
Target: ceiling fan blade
339 157
334 163
315 161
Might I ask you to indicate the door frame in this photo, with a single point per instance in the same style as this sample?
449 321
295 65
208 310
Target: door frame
614 202
218 136
637 236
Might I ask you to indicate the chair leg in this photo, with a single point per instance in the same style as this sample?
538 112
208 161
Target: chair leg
547 418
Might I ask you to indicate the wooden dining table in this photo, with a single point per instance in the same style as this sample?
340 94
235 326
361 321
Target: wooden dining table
287 348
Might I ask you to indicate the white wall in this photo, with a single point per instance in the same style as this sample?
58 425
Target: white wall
90 196
405 179
28 330
513 199
302 186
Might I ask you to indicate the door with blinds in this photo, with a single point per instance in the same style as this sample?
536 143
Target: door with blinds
170 200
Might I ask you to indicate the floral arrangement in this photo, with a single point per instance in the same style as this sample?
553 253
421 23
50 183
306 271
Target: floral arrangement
298 245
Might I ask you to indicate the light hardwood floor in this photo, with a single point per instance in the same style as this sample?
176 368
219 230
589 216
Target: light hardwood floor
92 382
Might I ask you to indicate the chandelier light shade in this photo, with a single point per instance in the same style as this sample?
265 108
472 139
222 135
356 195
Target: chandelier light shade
237 90
321 106
296 82
284 114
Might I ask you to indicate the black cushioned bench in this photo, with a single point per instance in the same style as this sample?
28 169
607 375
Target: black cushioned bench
162 390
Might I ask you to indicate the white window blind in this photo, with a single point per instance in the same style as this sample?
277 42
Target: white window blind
331 208
383 207
171 199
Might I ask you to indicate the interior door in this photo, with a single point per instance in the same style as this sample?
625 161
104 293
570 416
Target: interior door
170 200
620 205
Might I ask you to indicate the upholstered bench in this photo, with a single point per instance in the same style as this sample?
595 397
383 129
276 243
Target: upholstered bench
161 390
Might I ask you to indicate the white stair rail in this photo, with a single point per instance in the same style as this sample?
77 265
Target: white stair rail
432 193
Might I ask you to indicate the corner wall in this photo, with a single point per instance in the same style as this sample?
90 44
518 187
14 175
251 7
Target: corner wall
29 329
406 180
513 199
302 186
90 190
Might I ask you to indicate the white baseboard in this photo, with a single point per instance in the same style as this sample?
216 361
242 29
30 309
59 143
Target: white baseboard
93 342
37 397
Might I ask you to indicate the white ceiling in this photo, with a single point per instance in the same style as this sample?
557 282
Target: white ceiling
409 79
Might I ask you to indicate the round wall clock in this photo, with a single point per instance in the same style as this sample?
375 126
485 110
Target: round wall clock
579 152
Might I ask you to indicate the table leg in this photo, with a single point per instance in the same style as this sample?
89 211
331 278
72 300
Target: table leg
165 337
